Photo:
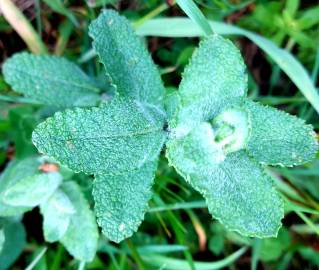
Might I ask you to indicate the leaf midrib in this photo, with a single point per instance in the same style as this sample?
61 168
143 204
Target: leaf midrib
65 82
134 134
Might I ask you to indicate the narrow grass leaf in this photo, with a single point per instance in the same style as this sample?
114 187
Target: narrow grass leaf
195 14
178 264
22 26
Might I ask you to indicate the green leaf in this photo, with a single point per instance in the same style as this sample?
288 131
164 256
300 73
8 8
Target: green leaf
81 237
50 80
2 239
278 138
214 80
16 171
119 136
181 27
56 212
127 62
170 263
237 191
33 190
122 200
195 152
15 240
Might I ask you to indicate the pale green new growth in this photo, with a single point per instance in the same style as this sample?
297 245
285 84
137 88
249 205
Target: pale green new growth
56 212
82 228
117 137
232 129
195 152
23 186
122 200
33 190
127 62
214 79
278 138
50 80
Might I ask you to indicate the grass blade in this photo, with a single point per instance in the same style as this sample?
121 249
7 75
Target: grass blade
195 14
36 259
182 27
22 26
178 264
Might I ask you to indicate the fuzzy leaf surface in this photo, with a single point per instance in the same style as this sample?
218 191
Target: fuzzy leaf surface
50 80
195 152
119 136
237 191
16 171
122 200
278 138
33 190
81 237
56 212
214 79
125 58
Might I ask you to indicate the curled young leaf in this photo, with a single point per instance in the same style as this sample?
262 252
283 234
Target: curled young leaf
122 200
117 137
278 138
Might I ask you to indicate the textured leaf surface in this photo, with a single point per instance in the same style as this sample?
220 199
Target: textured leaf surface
82 235
33 190
195 152
278 138
238 192
50 80
15 172
122 200
119 136
15 240
126 59
214 79
56 212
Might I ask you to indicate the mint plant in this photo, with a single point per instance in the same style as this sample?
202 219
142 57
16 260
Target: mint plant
215 137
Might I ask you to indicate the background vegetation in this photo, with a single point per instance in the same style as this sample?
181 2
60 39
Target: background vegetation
178 231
